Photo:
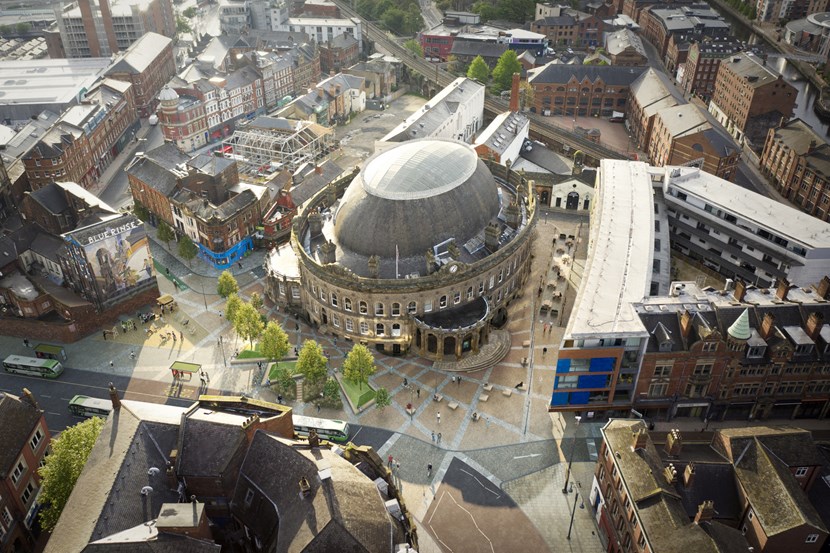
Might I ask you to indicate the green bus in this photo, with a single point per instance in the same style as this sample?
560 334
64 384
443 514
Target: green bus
85 406
332 430
47 368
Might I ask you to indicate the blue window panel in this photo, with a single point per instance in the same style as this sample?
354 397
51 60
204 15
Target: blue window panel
556 383
602 364
592 381
563 365
560 398
579 398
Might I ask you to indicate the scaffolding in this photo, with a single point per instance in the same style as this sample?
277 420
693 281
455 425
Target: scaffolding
270 144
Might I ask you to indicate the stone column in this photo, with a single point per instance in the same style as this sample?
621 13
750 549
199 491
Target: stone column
458 343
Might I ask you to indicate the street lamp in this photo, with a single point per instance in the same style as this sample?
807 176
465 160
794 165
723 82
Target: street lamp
573 513
571 460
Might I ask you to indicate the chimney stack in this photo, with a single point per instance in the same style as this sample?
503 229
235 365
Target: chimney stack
823 289
640 439
782 289
670 473
814 323
327 252
767 325
374 266
116 401
705 512
29 398
491 237
740 290
674 443
689 475
514 93
685 323
315 224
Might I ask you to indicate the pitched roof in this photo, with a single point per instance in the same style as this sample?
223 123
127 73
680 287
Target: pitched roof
19 419
478 48
562 73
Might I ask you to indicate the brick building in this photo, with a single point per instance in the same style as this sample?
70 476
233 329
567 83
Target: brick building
581 89
660 23
625 48
749 98
797 161
24 442
568 27
338 54
62 153
746 490
147 64
697 75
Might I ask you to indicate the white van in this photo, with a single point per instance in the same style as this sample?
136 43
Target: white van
153 119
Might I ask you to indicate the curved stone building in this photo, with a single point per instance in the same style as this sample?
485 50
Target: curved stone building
421 249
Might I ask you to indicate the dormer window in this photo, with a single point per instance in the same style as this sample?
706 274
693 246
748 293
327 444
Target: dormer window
755 352
803 349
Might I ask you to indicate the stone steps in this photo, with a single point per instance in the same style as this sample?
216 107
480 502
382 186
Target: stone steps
490 354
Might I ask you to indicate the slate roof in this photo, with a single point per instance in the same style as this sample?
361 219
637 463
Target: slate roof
156 168
343 512
477 48
711 482
51 197
562 73
227 441
19 419
152 542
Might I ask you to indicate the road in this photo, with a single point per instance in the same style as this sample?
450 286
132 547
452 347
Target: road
431 14
117 192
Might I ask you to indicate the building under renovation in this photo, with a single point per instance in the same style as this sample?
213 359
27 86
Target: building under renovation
269 144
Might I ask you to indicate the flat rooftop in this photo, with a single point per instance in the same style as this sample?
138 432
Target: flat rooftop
618 269
780 219
48 81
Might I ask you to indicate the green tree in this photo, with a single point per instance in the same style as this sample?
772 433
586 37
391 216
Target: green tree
415 47
503 73
226 284
478 70
232 307
5 30
23 27
312 361
274 342
359 365
165 233
182 26
256 301
486 10
331 391
283 378
394 19
248 323
63 466
526 94
138 209
382 399
190 12
187 249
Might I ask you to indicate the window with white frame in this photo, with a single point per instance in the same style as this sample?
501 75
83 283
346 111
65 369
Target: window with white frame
396 329
396 309
379 309
334 301
469 293
281 288
295 292
27 493
456 299
7 517
501 275
349 325
442 302
37 437
480 288
801 472
363 308
412 308
364 327
335 320
492 281
427 306
379 329
811 538
18 471
347 304
323 295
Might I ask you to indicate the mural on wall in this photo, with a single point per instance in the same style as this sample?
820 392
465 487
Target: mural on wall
119 255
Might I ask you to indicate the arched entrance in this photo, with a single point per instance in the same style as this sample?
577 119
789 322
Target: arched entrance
324 316
417 337
544 197
573 200
499 318
432 343
449 345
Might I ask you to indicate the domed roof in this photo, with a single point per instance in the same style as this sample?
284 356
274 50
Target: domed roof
414 196
167 94
740 328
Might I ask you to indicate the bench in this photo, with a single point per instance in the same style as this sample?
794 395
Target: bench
507 393
483 397
437 397
488 387
452 405
526 344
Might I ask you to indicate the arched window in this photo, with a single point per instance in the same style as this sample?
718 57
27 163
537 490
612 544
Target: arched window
379 309
349 325
363 307
412 308
347 304
396 309
379 329
469 293
364 327
442 303
334 299
396 330
335 320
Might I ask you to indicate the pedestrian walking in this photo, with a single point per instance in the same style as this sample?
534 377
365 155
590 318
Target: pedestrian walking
429 469
405 382
544 351
439 437
433 436
389 461
418 393
174 337
112 364
104 332
26 342
398 467
318 408
438 416
458 381
240 265
132 354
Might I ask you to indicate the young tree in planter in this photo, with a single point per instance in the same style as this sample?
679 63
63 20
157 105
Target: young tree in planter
359 365
187 249
312 361
63 466
165 233
382 399
256 301
274 342
226 285
248 323
232 307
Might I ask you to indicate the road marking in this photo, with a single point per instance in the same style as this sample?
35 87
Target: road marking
52 413
44 395
526 456
471 475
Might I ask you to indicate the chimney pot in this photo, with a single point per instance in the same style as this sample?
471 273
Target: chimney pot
740 290
814 323
767 325
116 401
29 398
823 289
782 289
705 512
689 475
674 443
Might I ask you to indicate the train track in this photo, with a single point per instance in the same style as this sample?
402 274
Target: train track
551 135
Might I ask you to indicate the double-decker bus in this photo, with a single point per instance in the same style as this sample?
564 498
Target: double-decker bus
47 368
85 406
332 430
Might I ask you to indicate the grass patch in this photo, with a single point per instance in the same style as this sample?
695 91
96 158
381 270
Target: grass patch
250 353
357 395
290 365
